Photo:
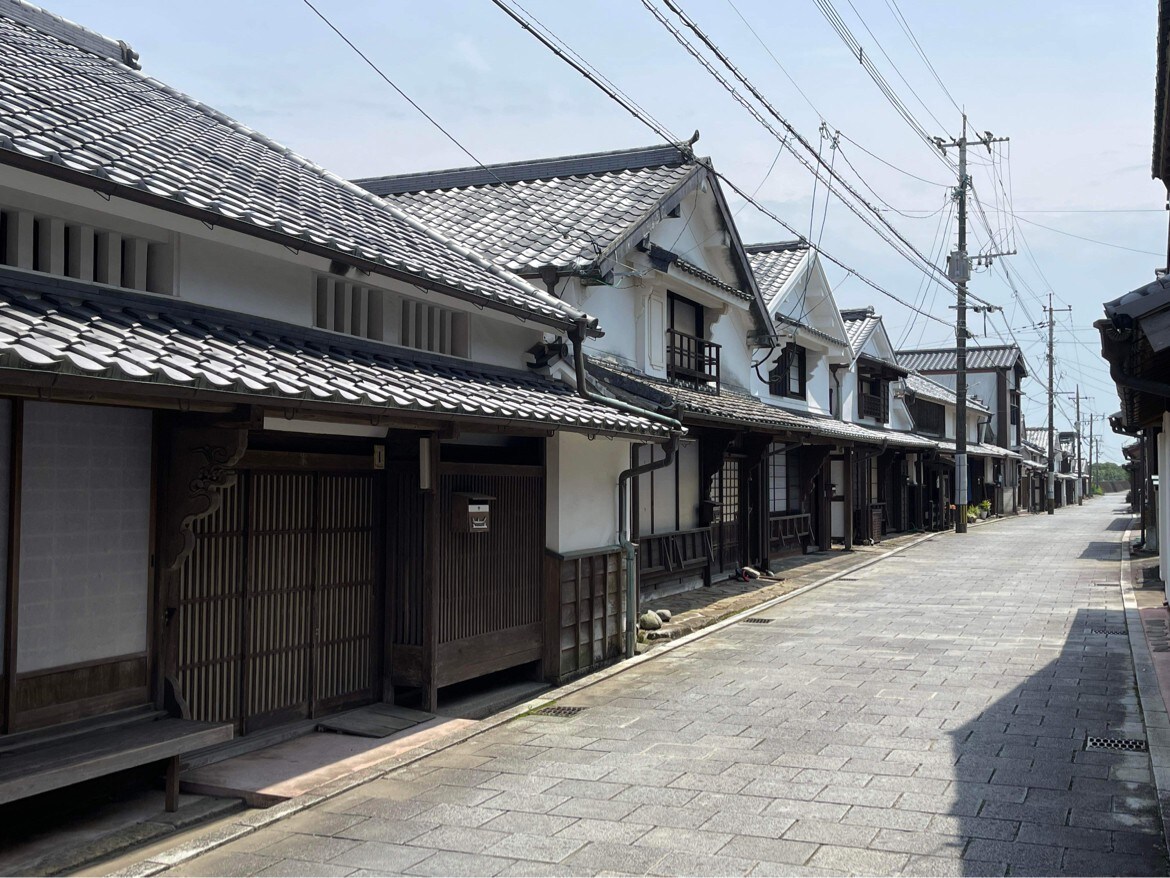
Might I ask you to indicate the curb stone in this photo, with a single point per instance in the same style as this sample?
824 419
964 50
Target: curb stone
1151 703
253 820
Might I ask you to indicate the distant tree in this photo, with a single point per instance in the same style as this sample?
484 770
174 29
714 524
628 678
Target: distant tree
1109 472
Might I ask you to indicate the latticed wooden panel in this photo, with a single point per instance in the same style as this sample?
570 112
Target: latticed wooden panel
210 612
277 602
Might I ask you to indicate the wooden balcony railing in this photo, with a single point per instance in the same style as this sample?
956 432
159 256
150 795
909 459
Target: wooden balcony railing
661 556
788 533
873 406
691 359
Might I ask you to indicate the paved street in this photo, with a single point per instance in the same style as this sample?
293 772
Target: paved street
926 716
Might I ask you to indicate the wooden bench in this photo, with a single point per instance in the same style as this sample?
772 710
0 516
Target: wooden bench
49 759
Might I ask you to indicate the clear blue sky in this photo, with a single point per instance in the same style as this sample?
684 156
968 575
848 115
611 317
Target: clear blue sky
1071 83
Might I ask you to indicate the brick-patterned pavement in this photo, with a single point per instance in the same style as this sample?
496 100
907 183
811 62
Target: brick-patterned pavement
927 715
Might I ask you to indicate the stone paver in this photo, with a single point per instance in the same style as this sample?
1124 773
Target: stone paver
928 715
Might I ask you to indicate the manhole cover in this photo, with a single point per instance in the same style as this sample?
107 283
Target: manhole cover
758 621
1130 745
1108 631
559 710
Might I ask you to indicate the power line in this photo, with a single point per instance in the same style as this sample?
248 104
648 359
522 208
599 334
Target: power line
554 44
706 40
1090 240
517 199
901 19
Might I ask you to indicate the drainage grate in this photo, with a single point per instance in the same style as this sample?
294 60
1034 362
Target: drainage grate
1108 631
759 621
1129 745
559 710
1108 584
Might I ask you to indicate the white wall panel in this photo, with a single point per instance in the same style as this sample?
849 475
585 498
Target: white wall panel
85 528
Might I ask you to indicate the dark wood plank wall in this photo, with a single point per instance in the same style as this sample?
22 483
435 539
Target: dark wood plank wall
63 694
585 616
490 584
491 581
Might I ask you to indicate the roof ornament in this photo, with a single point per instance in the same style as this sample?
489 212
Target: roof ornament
687 147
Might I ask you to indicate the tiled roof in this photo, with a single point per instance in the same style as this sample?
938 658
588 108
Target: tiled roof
859 326
774 265
810 330
1137 303
946 359
948 446
924 388
739 407
1038 436
67 112
564 212
71 328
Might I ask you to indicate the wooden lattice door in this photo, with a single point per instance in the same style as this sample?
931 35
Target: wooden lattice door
277 609
728 525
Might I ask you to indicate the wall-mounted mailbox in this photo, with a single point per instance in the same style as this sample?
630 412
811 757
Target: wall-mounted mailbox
471 513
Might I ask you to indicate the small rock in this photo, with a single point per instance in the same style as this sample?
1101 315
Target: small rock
664 615
649 621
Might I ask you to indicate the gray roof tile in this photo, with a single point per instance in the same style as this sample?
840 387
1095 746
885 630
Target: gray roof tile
946 359
90 116
925 388
774 265
68 327
740 407
860 324
563 212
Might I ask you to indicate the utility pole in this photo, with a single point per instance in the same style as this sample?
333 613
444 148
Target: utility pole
1080 460
959 271
1092 418
1051 492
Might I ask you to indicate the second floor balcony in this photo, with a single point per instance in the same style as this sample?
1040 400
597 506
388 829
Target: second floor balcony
691 359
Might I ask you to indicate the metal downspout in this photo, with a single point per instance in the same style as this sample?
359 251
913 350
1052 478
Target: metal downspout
577 337
631 548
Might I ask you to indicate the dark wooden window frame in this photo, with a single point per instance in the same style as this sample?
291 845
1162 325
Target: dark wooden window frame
780 378
873 396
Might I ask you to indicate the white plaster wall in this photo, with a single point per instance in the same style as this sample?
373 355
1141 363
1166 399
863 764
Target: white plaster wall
85 527
241 280
735 358
818 380
620 311
581 485
688 485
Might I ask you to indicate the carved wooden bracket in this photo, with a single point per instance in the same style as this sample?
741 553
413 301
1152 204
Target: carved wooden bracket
201 466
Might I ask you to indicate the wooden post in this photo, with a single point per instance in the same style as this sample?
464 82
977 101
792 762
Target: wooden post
848 466
431 506
172 794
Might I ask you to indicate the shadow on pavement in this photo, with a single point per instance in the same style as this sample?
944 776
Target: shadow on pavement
1029 793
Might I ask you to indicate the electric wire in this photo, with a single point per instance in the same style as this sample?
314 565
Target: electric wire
922 263
515 196
554 44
